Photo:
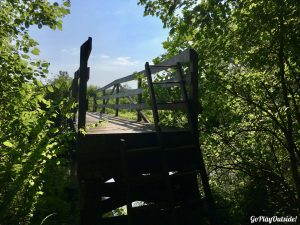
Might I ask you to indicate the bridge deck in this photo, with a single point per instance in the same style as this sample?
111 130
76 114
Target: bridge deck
112 125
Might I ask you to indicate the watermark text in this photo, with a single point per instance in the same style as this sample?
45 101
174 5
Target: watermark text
273 219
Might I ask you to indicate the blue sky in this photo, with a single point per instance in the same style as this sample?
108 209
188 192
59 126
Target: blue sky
123 39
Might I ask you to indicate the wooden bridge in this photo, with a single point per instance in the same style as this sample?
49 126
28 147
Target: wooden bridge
153 172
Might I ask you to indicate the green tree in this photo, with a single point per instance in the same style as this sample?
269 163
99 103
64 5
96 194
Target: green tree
92 94
28 139
249 60
61 84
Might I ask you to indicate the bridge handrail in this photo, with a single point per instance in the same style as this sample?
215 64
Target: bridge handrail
183 57
186 56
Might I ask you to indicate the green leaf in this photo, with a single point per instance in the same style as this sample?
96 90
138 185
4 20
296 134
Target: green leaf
8 144
35 51
59 25
50 88
25 56
39 83
67 3
45 64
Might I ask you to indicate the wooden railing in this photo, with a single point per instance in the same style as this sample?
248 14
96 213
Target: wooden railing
116 90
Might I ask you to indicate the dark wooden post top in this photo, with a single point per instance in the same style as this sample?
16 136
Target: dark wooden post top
85 51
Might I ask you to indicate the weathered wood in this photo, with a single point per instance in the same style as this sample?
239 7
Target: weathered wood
162 106
118 81
139 112
128 106
141 171
103 101
182 57
194 91
130 92
85 51
117 99
125 180
139 100
167 84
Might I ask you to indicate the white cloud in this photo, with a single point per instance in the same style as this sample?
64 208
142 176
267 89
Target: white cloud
105 70
125 61
103 56
70 51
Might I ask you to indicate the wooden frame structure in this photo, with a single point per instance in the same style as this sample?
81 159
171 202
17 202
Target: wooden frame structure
126 158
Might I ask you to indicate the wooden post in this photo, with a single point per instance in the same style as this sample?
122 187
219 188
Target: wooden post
84 71
103 102
194 81
139 100
117 100
194 120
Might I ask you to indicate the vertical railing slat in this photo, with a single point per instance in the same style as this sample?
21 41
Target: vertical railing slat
117 100
139 100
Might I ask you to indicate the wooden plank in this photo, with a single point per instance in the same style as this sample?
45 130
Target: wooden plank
139 112
107 100
130 92
117 99
103 102
118 81
116 125
182 57
161 106
139 101
125 181
165 84
128 106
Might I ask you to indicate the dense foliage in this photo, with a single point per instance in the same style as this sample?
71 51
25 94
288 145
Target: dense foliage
250 85
30 139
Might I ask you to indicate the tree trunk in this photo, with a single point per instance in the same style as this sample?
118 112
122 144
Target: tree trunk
288 113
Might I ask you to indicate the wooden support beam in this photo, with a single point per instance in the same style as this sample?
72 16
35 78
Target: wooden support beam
138 110
117 99
103 101
84 71
130 92
139 100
